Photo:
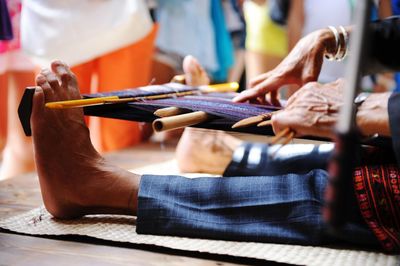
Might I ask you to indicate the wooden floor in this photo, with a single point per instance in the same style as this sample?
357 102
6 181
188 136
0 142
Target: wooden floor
22 193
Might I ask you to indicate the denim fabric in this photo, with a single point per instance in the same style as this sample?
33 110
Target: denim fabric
280 209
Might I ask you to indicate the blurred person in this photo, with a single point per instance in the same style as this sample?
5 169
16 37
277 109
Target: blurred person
236 26
109 44
196 28
266 41
16 73
306 16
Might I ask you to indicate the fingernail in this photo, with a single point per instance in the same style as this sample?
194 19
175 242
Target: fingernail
38 89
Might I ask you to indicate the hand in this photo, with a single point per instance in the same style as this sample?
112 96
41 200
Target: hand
302 65
312 110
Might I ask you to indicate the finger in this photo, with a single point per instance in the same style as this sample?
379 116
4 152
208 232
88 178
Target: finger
258 79
262 100
251 94
274 98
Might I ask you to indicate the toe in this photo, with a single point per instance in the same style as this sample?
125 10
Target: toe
65 75
52 79
46 88
38 98
194 72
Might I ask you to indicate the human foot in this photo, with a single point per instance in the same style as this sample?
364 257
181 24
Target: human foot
202 150
205 151
195 75
74 179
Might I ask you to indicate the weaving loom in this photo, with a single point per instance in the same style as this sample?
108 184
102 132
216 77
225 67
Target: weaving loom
223 113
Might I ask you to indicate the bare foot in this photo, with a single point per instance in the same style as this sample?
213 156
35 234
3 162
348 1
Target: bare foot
202 150
205 151
195 75
74 179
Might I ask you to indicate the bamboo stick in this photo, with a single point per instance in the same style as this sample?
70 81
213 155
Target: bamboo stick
253 120
169 111
178 121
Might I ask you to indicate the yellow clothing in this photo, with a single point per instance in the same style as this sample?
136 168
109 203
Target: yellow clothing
263 35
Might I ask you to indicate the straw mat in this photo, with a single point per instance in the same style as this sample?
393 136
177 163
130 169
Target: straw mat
121 228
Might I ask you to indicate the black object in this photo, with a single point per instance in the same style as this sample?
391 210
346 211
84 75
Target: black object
336 211
6 32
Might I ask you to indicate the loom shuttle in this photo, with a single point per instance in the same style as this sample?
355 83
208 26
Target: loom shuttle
169 111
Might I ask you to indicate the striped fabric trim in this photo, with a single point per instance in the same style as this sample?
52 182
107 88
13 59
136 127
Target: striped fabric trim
377 190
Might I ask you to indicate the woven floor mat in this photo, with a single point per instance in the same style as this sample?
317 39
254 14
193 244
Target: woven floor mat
122 229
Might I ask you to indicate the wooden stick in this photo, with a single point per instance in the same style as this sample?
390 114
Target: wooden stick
284 136
178 121
170 111
265 123
253 120
288 138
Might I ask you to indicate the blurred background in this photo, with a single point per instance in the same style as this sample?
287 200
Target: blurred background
118 44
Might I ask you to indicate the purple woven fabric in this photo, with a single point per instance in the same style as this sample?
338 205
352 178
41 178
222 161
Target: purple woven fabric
216 106
145 91
225 112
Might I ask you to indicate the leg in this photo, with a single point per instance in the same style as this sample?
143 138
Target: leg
18 151
278 209
74 179
3 109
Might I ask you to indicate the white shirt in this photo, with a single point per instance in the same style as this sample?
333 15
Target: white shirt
77 31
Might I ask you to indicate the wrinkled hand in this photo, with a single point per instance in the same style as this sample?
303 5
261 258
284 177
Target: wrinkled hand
312 110
302 65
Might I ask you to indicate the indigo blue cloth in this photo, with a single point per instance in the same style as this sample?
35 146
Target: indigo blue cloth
279 209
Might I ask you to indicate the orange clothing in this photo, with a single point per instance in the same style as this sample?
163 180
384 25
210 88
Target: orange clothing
128 67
